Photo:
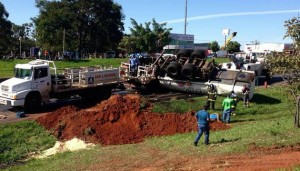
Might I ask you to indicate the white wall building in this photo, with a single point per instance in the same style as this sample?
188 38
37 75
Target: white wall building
267 47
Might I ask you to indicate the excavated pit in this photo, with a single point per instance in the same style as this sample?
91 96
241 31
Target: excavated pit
122 119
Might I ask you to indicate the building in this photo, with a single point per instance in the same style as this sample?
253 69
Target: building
266 48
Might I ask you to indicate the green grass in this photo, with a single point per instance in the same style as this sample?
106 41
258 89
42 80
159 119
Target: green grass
7 66
17 140
268 122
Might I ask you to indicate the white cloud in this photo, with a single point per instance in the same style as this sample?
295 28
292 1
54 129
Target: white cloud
204 17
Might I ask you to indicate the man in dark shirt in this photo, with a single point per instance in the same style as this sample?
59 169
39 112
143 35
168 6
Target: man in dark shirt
246 92
202 117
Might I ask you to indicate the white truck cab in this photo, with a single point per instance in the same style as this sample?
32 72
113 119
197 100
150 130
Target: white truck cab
36 82
29 87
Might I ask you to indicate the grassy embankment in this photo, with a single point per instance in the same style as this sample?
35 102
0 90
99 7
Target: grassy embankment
267 122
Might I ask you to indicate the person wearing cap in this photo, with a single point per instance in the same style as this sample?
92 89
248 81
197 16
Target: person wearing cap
202 118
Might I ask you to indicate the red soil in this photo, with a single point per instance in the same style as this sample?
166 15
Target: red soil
118 120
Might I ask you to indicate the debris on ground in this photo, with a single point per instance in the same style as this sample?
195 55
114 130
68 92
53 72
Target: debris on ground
74 144
3 117
122 119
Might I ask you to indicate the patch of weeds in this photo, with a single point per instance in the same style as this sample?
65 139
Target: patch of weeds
144 103
89 131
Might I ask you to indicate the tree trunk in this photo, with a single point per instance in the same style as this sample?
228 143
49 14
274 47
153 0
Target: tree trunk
296 123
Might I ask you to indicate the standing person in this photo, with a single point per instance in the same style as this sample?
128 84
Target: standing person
211 96
134 62
202 117
227 108
235 101
39 53
246 92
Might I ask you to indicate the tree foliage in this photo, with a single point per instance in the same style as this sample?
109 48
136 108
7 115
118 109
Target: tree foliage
233 46
5 31
144 38
90 26
214 46
293 31
288 65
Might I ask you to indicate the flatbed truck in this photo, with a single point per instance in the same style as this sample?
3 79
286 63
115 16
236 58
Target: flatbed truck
37 81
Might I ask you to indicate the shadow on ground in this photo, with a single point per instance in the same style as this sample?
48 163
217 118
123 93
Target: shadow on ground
262 99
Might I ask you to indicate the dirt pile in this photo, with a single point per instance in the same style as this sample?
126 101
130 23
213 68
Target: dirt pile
118 120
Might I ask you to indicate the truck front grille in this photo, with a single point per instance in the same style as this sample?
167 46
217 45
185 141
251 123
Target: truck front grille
4 88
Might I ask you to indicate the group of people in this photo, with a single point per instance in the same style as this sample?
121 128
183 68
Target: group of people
228 105
134 63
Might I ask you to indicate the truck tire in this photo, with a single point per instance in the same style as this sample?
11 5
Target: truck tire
33 102
188 70
184 53
199 54
174 69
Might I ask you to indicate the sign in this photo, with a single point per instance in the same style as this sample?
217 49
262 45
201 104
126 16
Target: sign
182 37
226 31
179 47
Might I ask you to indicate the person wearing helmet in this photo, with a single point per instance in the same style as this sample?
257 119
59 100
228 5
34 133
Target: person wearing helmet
211 96
235 101
246 92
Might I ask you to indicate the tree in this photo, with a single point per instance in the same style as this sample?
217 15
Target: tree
293 31
26 34
214 46
5 31
233 47
144 39
90 26
288 65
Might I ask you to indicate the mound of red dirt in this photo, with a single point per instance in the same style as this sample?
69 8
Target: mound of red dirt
118 120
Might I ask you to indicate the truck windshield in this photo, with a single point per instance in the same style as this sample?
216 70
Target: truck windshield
22 73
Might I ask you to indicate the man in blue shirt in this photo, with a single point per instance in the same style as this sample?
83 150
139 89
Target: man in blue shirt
202 117
134 63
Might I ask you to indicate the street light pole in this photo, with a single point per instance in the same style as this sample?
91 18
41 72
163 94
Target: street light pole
185 17
20 38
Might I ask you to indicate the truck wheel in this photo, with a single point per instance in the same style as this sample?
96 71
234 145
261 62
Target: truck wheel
184 53
188 70
32 102
174 69
200 54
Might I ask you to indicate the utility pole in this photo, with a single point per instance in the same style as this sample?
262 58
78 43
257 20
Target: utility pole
20 39
185 18
64 35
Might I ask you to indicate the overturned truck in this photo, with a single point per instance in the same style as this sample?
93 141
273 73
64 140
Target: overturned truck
189 72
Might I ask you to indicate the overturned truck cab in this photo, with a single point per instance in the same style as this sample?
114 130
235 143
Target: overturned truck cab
225 82
191 74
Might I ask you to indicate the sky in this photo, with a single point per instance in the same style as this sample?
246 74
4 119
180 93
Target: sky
253 20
